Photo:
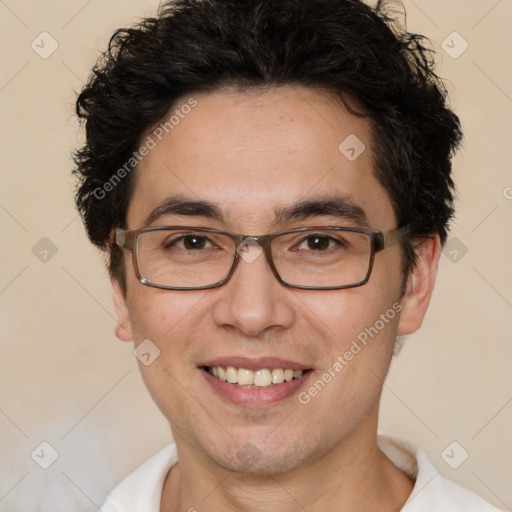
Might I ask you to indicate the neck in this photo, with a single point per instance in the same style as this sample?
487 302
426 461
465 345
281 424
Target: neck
355 475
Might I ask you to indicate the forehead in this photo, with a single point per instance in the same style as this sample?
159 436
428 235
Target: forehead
253 152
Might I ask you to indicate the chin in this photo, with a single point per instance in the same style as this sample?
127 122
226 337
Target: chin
259 458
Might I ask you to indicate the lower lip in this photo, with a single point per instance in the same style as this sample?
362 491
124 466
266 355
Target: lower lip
255 397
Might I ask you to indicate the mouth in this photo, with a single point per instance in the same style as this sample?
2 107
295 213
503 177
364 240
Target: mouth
254 382
261 378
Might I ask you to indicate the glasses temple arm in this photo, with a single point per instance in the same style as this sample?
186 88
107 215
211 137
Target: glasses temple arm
393 236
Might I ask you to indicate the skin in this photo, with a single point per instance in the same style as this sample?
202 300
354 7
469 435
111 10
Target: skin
251 153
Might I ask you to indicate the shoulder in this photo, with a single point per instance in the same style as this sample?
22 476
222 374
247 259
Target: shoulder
141 491
431 492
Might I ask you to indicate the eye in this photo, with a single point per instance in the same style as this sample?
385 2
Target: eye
189 242
318 242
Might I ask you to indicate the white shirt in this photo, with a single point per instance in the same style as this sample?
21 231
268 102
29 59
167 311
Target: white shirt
141 491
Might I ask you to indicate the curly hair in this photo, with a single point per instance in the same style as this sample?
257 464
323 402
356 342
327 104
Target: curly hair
343 47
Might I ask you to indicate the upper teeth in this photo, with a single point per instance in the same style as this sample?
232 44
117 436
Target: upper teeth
260 378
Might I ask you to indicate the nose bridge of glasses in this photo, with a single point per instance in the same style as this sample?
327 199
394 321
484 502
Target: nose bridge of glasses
250 248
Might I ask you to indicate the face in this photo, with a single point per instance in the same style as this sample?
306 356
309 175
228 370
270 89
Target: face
254 155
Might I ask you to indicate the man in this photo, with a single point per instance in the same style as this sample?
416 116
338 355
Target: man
271 183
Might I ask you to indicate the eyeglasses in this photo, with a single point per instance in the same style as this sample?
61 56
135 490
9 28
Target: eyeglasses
313 258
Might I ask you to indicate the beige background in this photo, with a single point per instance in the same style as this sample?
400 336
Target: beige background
67 380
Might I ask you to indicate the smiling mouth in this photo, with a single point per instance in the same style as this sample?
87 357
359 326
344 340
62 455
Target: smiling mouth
263 378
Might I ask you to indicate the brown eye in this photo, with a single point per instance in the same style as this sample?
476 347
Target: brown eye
194 242
189 242
318 243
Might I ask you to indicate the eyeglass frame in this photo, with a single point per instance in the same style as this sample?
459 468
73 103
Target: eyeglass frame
379 240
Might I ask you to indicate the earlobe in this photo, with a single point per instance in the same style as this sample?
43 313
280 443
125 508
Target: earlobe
123 327
420 285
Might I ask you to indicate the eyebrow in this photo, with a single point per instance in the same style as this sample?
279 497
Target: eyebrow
342 207
179 205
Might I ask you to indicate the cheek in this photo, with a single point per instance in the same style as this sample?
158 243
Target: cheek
345 314
358 327
169 321
346 388
157 313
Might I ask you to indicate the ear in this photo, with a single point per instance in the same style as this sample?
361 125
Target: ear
420 285
123 328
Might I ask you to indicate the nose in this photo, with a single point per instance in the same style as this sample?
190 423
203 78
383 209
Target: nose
253 301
